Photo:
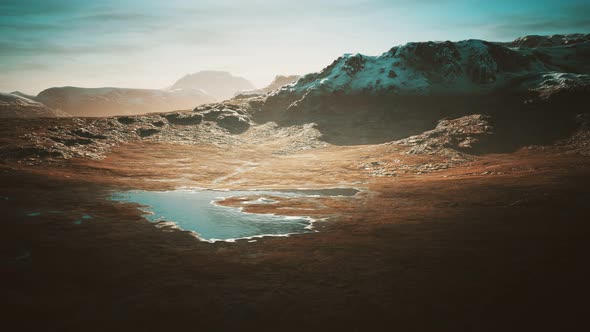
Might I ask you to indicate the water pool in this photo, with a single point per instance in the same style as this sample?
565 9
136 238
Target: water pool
196 211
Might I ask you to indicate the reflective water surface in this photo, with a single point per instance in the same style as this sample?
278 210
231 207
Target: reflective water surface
195 210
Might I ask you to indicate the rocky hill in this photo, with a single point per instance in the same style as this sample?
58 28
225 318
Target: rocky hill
409 88
18 106
219 84
451 68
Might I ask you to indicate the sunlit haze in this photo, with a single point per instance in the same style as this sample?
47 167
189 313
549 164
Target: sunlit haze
150 44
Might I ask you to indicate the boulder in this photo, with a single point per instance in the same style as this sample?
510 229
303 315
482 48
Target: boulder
234 123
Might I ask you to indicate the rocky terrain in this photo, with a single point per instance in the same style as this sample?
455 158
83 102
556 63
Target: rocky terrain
472 175
522 105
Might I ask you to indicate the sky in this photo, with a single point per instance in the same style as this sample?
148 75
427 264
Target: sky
152 43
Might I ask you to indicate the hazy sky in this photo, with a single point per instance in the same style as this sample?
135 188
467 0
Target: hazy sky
150 44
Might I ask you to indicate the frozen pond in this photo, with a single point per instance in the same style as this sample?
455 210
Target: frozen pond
196 211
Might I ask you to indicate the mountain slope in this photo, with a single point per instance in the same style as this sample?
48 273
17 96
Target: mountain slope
119 101
17 106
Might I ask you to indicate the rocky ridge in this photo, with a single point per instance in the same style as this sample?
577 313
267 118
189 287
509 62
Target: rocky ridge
470 67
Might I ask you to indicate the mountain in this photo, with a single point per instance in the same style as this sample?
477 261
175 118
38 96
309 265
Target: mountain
549 41
446 68
529 88
119 101
219 84
278 82
17 106
188 92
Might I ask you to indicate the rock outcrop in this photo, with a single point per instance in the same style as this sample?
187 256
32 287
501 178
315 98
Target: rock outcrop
466 133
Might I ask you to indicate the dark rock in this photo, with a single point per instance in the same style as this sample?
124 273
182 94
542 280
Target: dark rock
234 123
126 120
354 64
145 132
159 123
184 119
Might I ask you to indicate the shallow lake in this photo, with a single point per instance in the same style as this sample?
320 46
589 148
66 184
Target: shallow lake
196 211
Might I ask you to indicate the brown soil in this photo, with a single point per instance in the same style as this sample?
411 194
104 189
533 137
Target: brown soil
496 243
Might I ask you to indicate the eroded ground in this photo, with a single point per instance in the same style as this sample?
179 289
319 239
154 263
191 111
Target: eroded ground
493 242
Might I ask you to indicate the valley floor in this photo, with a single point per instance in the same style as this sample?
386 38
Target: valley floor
498 242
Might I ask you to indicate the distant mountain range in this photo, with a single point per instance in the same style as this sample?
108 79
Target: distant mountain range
190 91
219 84
119 101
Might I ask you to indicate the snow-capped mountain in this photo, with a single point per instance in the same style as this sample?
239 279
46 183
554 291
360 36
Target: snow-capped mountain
120 101
17 106
549 41
219 84
532 63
